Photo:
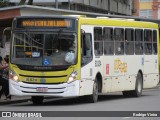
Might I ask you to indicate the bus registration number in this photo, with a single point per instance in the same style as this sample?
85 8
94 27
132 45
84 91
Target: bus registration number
42 89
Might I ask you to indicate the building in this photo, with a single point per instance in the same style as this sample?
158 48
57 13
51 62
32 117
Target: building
7 15
120 7
147 8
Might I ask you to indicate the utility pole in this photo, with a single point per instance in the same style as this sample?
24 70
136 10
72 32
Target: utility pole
69 4
109 6
57 4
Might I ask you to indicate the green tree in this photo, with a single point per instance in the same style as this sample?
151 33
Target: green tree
30 2
4 3
22 2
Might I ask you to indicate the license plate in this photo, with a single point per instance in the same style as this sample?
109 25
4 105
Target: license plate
42 89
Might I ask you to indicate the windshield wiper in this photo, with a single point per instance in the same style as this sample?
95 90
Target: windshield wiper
30 38
58 35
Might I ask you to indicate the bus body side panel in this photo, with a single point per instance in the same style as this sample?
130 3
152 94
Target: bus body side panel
118 73
108 71
87 79
150 71
134 64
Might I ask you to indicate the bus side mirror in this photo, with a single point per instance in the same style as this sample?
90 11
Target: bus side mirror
3 41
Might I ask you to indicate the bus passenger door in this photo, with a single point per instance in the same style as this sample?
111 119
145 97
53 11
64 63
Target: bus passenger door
150 59
87 79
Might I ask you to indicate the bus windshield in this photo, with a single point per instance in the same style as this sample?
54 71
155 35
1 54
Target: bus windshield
44 48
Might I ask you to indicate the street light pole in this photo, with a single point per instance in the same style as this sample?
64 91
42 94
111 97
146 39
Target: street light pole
69 5
57 4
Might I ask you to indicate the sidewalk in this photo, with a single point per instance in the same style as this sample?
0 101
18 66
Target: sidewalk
20 99
158 86
15 99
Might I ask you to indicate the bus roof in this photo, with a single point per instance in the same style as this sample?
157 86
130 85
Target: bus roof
121 22
117 22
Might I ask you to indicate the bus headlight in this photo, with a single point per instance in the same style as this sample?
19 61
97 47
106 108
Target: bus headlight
13 76
73 77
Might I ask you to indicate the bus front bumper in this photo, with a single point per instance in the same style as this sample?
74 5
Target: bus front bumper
58 90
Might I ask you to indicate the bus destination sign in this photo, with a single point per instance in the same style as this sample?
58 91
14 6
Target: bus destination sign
46 23
34 23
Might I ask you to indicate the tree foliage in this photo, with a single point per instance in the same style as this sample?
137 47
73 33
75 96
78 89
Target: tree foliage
4 3
30 2
22 2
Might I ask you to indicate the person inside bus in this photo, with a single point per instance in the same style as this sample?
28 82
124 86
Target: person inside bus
5 77
120 47
3 82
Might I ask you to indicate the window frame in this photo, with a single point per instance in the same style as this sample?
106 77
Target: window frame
148 41
132 30
100 41
111 37
117 39
155 42
139 41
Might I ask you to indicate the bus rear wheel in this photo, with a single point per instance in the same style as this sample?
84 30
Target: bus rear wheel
37 100
138 88
93 98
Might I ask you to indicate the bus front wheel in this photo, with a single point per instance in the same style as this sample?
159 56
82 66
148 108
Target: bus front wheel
37 100
93 98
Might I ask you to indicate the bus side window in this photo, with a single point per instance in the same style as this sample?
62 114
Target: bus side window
154 42
108 41
119 41
148 41
129 41
139 42
98 42
86 48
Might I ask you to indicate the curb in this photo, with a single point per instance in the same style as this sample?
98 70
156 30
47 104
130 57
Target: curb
4 102
158 85
21 100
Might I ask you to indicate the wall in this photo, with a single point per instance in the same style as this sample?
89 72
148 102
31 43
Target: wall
146 5
112 6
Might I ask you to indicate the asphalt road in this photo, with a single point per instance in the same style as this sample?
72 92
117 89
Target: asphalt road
149 101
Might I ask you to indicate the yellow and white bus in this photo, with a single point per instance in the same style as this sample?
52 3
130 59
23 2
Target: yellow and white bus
70 56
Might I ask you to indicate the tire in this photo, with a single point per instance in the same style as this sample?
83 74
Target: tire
94 97
37 100
138 88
